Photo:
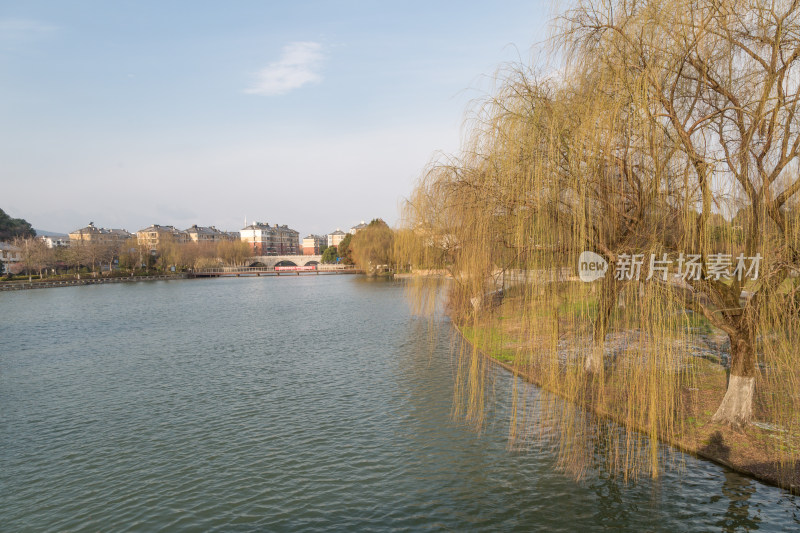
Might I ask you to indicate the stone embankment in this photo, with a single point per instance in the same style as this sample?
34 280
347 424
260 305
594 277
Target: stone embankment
423 273
45 284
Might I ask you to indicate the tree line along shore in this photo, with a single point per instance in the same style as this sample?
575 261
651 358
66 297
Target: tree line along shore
371 250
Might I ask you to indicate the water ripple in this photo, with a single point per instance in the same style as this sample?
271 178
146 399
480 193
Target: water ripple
299 404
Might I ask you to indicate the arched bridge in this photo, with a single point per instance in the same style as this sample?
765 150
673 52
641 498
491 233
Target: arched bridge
271 261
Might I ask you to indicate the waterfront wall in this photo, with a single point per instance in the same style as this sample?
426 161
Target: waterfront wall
21 285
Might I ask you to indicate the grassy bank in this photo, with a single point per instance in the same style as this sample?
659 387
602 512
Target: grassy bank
512 335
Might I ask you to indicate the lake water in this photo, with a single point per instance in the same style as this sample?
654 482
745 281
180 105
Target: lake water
289 404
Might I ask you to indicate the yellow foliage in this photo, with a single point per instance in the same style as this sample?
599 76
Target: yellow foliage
666 130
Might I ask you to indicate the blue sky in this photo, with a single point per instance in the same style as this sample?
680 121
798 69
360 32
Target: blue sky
311 114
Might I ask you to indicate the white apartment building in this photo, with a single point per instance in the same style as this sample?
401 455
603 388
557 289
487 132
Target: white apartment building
336 237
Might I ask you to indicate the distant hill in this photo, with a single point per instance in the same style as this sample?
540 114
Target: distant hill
14 227
50 233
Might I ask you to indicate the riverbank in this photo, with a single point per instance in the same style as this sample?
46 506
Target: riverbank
47 284
423 273
211 273
749 451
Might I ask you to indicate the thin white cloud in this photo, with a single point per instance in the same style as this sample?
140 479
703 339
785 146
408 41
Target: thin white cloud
298 66
17 30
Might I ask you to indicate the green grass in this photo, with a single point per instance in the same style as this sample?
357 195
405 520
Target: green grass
490 340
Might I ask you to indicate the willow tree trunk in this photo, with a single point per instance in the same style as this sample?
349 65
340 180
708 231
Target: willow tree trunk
736 408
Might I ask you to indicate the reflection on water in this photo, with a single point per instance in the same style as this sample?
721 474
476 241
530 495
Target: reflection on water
737 490
301 403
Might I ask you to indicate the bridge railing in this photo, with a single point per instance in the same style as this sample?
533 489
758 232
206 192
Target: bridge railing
336 267
244 269
232 269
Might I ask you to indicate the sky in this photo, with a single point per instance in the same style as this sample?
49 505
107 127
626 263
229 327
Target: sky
317 115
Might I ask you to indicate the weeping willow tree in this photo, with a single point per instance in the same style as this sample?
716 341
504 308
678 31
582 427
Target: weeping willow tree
721 79
665 120
372 247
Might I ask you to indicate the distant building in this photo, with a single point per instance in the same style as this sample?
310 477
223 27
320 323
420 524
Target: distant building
10 255
336 237
288 240
312 244
154 236
355 229
207 234
93 234
259 236
54 241
271 240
